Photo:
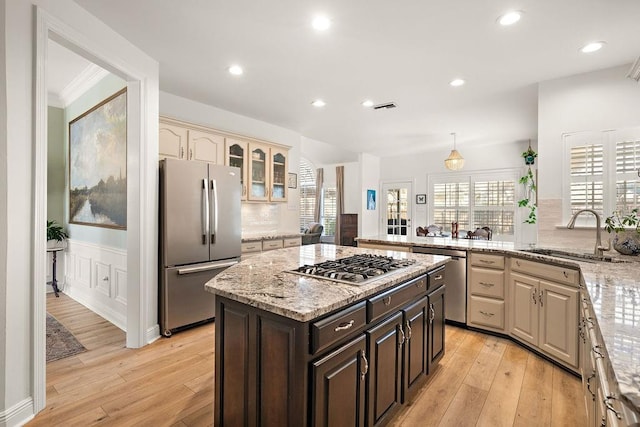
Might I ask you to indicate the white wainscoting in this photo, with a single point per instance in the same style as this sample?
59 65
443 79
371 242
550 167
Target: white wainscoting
96 277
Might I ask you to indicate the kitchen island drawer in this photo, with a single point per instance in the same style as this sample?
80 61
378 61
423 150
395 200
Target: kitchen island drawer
386 302
486 312
292 241
487 282
337 326
435 278
271 244
248 247
487 260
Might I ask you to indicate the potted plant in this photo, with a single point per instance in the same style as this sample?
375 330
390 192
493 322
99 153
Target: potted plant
55 232
529 156
529 200
627 231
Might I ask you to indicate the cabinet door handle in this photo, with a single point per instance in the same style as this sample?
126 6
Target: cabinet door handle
408 324
182 152
489 262
593 395
190 153
533 295
344 326
387 300
402 337
487 284
610 406
244 190
597 352
486 313
432 313
365 365
540 297
518 263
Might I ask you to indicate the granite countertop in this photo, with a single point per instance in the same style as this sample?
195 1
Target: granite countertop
262 281
613 287
258 237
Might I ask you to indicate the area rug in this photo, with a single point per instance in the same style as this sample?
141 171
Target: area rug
60 342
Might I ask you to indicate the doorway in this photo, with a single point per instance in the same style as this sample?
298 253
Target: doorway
397 204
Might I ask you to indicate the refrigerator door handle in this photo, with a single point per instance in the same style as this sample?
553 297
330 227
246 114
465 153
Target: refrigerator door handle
205 211
214 201
216 266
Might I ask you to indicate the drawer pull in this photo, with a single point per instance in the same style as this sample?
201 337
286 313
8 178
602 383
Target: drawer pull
408 329
518 263
486 313
486 261
251 247
566 276
419 283
438 277
387 300
344 326
365 365
487 284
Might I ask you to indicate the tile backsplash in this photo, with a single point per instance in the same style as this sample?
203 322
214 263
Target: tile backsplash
264 219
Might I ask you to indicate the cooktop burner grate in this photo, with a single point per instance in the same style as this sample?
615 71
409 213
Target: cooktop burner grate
354 269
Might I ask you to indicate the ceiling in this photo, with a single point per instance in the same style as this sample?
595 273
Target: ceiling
406 51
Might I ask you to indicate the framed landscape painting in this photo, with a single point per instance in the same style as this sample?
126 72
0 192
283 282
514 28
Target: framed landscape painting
98 164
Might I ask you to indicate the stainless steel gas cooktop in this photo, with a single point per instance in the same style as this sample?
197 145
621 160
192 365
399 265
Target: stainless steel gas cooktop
356 269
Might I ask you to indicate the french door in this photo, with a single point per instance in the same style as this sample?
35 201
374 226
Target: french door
396 201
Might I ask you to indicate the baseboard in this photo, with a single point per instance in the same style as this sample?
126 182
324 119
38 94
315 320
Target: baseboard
18 415
152 334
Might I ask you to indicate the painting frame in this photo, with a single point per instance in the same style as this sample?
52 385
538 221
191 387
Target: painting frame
421 199
97 190
293 180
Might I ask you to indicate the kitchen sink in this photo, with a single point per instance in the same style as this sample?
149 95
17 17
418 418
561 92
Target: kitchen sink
572 255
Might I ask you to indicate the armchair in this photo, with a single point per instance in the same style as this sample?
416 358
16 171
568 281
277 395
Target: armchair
312 234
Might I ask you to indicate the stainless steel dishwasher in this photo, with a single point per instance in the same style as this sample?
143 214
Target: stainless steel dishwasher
455 279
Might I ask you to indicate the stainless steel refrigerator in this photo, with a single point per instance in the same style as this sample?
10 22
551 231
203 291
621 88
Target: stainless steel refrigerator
199 237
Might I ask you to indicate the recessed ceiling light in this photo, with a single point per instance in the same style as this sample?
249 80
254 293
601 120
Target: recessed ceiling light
367 103
510 18
457 82
321 23
236 70
318 103
592 47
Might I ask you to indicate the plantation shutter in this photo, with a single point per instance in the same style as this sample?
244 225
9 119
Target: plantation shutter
586 171
307 182
627 179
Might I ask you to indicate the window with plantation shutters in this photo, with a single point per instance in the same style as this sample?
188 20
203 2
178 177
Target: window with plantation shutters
603 169
329 211
479 200
307 183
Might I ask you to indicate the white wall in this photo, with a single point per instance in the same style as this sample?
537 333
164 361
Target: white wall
596 101
369 180
19 207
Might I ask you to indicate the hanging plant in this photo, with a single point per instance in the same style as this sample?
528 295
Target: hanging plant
529 156
529 201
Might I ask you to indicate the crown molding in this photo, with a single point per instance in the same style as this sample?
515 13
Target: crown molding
634 72
88 78
53 100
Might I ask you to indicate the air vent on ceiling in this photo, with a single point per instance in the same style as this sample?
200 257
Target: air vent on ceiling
386 105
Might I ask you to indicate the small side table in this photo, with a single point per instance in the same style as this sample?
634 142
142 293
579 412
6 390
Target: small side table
54 282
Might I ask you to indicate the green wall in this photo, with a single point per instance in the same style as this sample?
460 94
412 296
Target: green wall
56 164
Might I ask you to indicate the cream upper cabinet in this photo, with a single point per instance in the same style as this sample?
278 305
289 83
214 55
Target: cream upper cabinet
544 308
173 141
279 174
259 172
236 153
183 141
205 146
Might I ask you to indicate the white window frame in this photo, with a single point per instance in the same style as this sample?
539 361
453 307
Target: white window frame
507 174
608 139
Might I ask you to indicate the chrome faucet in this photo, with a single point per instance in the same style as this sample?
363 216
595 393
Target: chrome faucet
599 249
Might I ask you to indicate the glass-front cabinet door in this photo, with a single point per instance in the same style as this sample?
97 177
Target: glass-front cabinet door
236 155
279 175
259 172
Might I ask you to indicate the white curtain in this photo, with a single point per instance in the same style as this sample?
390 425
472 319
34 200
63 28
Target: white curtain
319 183
339 203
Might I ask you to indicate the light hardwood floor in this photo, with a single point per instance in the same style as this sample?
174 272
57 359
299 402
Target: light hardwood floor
482 381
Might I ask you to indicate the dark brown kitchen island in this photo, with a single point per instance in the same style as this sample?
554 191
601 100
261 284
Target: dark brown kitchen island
297 350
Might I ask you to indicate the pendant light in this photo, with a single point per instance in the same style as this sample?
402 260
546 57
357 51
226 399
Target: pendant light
455 161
